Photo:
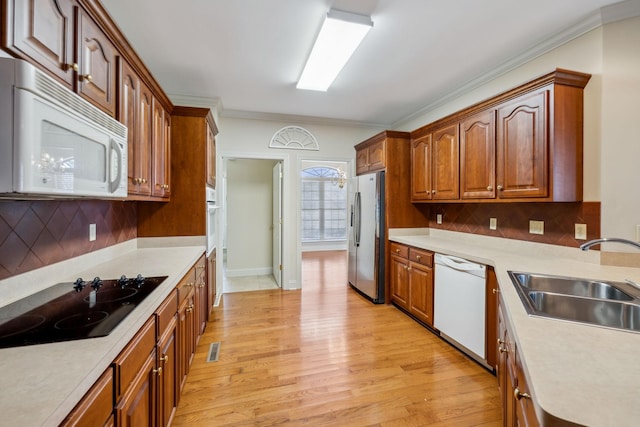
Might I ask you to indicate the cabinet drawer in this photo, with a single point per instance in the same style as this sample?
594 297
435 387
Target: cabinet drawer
96 407
166 312
421 257
200 268
131 359
399 250
186 285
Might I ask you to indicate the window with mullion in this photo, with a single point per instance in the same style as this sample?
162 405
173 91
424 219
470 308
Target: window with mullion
324 206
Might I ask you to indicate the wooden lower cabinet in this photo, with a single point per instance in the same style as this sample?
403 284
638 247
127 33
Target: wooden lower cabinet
517 404
411 281
186 338
96 408
142 386
201 297
138 405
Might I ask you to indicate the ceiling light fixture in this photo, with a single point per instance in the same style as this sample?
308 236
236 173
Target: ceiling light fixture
339 37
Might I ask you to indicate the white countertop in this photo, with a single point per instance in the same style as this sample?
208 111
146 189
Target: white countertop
583 374
41 384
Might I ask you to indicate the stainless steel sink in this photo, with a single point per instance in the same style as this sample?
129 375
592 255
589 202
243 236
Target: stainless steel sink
595 302
571 286
607 313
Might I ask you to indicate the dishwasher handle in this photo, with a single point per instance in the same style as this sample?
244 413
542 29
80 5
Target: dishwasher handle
460 264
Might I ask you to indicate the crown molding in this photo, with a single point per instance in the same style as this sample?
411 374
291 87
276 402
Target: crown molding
215 104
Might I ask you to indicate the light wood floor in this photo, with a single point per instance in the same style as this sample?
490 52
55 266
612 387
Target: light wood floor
324 356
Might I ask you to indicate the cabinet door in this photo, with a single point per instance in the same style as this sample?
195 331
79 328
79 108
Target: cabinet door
168 378
186 340
201 299
399 277
138 406
161 151
421 168
521 142
96 407
445 163
421 292
97 65
43 31
362 161
377 157
211 157
477 157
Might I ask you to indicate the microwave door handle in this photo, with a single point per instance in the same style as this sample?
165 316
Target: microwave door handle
113 185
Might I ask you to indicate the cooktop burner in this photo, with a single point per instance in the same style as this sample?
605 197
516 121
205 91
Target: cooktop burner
72 311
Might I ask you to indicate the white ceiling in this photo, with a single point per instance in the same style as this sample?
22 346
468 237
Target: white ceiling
248 54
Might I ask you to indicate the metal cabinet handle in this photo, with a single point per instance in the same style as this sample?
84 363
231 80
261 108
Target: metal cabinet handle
433 191
495 291
489 188
499 187
164 358
158 371
518 395
502 349
86 77
418 257
73 66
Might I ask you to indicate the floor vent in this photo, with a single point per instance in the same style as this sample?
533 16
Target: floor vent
214 350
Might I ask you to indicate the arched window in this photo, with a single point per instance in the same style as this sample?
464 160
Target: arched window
324 205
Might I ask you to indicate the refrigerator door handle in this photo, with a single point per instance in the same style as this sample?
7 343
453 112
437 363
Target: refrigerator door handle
356 228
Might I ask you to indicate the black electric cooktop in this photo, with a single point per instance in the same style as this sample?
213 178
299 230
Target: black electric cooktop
73 311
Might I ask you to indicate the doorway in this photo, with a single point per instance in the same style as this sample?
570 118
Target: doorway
252 247
324 215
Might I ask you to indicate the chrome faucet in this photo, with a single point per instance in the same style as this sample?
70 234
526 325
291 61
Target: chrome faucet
586 246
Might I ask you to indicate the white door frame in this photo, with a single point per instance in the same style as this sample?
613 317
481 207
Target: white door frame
287 224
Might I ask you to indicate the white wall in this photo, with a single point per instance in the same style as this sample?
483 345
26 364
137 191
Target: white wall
249 217
246 138
620 171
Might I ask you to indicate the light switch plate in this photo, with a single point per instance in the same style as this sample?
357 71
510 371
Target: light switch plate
439 218
493 223
92 232
536 227
581 231
638 233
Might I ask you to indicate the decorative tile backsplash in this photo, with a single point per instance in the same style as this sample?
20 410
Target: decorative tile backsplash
513 220
37 233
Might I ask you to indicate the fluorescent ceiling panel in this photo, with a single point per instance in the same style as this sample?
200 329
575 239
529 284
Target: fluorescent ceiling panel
339 37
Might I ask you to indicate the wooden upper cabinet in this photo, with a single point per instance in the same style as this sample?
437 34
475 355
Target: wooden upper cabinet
60 37
522 145
371 157
421 168
135 112
445 161
523 157
477 156
161 175
97 64
43 31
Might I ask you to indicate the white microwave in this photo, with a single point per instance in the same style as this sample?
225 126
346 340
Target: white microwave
53 143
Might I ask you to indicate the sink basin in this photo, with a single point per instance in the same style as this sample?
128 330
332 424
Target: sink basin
607 304
570 286
607 313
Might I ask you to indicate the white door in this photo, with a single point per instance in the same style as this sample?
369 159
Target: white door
277 223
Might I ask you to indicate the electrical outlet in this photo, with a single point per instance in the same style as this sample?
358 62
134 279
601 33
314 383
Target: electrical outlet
439 218
536 227
92 232
581 231
493 223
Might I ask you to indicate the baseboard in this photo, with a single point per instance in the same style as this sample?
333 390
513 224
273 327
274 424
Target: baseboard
241 272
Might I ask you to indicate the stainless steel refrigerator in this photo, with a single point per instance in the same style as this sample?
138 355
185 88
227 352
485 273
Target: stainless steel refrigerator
366 236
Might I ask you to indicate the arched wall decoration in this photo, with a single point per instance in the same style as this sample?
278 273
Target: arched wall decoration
294 138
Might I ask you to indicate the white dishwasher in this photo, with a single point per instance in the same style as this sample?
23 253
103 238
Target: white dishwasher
459 304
